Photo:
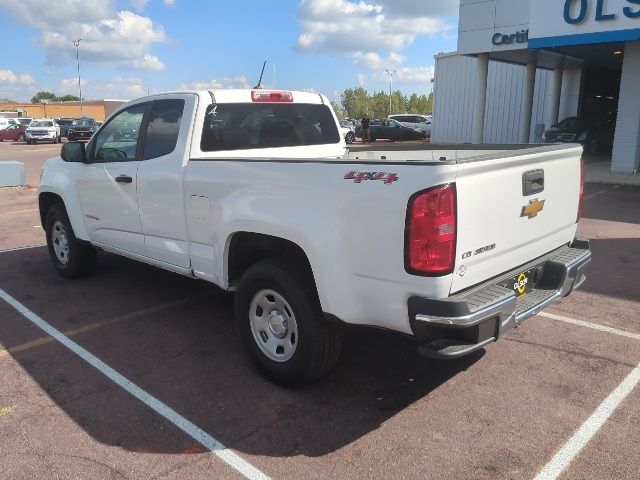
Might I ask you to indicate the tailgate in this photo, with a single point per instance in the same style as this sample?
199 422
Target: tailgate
500 225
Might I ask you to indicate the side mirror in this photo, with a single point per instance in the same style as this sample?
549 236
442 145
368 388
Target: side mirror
73 152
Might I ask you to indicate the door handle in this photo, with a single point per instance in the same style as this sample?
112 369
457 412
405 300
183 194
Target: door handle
124 179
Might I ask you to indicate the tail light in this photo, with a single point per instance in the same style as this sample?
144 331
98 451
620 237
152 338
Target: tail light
581 201
271 97
430 236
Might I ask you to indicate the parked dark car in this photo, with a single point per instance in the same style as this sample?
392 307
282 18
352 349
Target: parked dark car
392 130
64 124
595 135
13 132
82 129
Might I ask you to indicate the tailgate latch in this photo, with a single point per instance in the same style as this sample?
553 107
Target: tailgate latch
532 182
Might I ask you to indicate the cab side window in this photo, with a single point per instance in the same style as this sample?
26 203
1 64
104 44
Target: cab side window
118 140
163 129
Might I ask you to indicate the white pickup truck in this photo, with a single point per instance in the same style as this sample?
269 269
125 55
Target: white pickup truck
254 191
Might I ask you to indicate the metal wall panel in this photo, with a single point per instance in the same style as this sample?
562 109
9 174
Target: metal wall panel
454 100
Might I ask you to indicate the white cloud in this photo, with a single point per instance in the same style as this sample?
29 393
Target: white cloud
374 61
421 8
169 3
21 79
139 4
122 39
373 34
421 75
219 83
342 26
116 87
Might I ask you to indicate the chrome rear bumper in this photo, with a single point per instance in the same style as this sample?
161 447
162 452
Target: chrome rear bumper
460 324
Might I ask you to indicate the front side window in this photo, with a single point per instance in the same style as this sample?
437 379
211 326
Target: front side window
237 126
163 129
118 140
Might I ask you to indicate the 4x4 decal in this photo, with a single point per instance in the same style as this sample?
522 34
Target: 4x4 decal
359 177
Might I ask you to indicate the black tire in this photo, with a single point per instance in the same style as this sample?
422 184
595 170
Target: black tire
55 140
349 138
80 256
318 342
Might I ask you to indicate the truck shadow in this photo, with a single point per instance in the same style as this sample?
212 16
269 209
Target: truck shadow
174 338
614 266
612 203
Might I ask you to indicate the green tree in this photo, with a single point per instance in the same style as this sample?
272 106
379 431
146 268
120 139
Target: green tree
380 104
52 97
68 98
341 113
43 95
355 101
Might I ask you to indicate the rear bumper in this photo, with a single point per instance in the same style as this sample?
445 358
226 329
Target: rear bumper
461 324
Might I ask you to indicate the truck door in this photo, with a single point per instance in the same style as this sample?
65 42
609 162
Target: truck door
107 184
160 180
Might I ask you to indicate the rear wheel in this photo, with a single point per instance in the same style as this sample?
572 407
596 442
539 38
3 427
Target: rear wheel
591 148
71 257
349 137
279 319
21 137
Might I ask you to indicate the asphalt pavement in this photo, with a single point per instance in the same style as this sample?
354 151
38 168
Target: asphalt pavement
158 386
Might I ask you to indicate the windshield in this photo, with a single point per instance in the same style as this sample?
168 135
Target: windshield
237 126
64 122
41 123
83 122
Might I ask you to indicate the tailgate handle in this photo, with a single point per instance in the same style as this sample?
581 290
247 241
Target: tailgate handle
532 182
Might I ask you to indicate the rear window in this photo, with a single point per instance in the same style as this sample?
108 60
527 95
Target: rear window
240 126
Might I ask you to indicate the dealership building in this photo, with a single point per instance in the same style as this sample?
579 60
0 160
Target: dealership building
524 65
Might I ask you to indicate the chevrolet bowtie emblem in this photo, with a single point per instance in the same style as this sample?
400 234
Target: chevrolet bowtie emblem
533 209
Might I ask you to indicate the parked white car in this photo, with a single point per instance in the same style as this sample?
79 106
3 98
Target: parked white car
254 191
7 122
43 130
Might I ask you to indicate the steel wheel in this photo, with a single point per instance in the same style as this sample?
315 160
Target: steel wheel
60 242
273 325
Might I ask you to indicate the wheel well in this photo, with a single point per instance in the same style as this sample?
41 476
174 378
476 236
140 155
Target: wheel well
248 248
46 200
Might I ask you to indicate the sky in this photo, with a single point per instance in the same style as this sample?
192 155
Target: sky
131 47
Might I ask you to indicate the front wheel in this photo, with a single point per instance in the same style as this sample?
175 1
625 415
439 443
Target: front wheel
279 319
71 257
21 137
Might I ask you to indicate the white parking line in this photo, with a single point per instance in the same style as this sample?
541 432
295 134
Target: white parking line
195 432
589 428
593 326
23 248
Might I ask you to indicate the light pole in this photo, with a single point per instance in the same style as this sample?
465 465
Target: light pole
77 45
391 74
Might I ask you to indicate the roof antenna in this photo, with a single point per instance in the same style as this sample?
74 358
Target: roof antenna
259 85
